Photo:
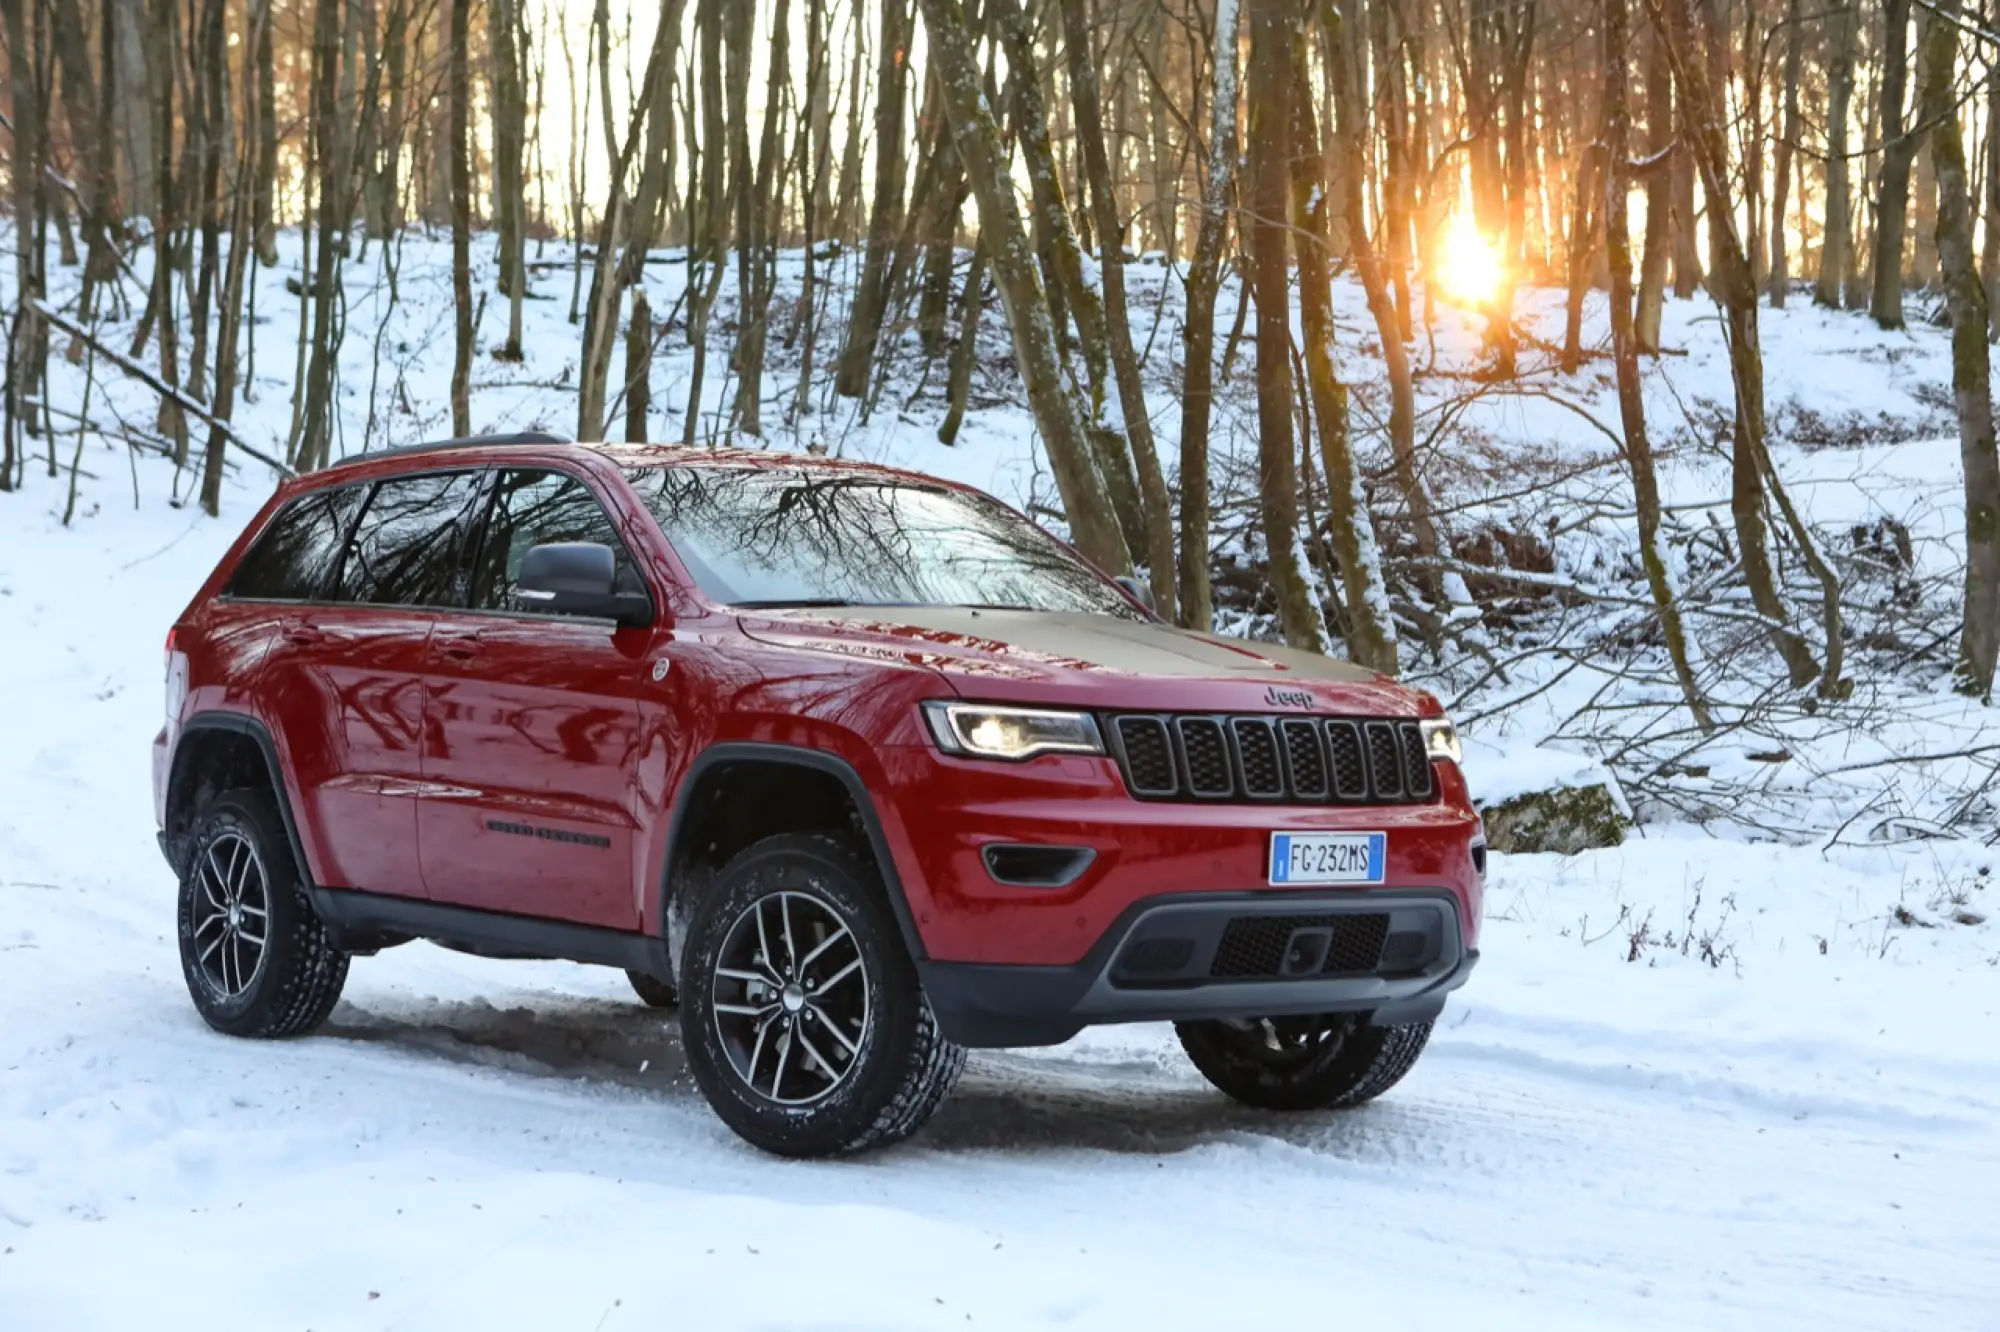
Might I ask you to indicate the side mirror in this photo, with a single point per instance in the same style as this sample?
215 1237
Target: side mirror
1138 591
579 578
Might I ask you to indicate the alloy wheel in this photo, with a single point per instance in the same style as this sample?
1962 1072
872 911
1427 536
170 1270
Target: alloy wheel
792 995
232 913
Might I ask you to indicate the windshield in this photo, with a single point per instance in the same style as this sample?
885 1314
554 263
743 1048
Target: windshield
754 537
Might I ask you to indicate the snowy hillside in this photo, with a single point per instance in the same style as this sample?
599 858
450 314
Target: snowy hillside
1741 1072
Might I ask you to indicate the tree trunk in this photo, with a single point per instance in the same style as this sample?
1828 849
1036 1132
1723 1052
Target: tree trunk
88 157
1158 529
1625 358
132 106
24 371
207 131
166 220
385 171
1979 644
1370 626
1582 230
267 148
710 228
1781 158
1989 254
871 295
242 215
1352 136
1899 150
1836 246
1687 250
1271 33
509 115
461 217
638 368
1062 427
1063 256
966 355
1698 62
1198 337
1659 206
847 206
757 247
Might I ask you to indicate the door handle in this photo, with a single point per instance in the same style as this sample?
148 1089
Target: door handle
458 647
303 635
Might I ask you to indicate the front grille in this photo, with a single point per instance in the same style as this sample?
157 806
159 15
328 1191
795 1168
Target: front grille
1253 947
1248 757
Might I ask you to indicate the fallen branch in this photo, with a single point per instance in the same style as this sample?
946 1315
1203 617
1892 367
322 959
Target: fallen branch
159 386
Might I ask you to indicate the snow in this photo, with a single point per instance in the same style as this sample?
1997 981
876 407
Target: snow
1792 1138
1497 773
1724 1076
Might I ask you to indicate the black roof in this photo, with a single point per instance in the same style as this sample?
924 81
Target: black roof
441 445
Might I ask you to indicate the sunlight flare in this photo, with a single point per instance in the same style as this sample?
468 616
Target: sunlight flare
1469 265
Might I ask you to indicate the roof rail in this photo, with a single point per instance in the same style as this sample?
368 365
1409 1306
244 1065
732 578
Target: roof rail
469 442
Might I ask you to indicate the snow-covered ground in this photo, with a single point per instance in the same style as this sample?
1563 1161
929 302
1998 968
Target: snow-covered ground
1700 1080
1805 1135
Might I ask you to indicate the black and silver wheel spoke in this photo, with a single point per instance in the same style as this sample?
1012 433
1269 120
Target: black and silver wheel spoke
789 967
231 914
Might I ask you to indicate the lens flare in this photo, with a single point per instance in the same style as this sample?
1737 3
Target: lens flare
1469 267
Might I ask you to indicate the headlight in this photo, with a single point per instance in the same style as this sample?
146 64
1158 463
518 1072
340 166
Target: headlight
1441 740
982 731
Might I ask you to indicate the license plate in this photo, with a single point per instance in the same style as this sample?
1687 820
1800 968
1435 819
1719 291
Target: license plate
1306 857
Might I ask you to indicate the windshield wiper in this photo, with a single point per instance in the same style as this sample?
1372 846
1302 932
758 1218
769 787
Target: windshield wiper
796 603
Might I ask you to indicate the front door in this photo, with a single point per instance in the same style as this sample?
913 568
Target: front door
531 730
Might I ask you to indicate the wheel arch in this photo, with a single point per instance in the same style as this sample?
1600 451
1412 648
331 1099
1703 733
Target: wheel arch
217 751
685 865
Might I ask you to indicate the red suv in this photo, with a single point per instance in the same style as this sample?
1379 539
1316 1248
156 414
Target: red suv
859 767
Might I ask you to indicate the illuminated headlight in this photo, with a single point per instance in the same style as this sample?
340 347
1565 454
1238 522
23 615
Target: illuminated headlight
1441 740
983 731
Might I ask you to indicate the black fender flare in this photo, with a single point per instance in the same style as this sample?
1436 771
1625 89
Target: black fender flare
798 756
244 724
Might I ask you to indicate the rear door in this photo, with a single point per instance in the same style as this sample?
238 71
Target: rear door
532 728
347 675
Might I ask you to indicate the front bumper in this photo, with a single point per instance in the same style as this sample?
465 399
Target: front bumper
1394 954
942 814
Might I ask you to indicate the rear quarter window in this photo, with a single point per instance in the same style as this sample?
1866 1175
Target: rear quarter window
295 555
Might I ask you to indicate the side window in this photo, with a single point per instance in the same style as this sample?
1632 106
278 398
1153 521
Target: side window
532 508
293 558
408 549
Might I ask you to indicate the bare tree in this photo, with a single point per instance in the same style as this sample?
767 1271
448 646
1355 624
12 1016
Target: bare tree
509 118
977 138
1625 358
1780 279
871 296
461 215
1272 24
1159 531
1972 390
1837 247
1370 625
1899 151
1204 279
1699 61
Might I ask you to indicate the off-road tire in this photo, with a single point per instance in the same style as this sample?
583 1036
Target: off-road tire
299 978
1355 1063
652 991
904 1067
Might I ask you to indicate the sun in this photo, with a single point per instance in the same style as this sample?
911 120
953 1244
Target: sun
1469 267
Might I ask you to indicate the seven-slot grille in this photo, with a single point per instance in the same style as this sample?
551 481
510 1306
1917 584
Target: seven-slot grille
1252 757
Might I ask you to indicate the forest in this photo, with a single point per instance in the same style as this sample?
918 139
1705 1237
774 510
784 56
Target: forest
1143 224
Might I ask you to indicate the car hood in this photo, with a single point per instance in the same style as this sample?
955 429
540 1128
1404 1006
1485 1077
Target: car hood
1098 661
